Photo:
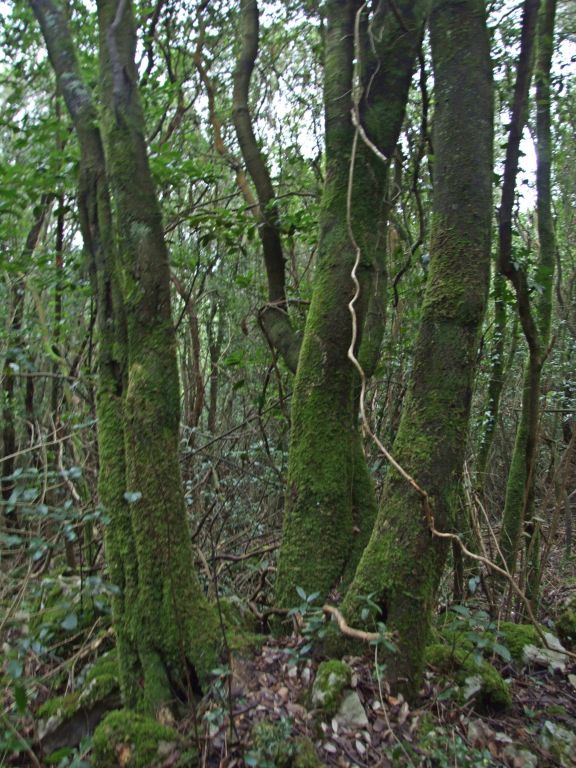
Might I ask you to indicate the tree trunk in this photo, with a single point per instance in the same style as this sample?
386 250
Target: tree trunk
148 548
536 321
329 495
169 594
402 565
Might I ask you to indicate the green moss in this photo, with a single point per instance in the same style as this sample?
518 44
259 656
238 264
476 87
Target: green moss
60 706
236 614
107 664
273 744
332 679
98 689
306 756
134 741
516 636
101 681
566 628
493 693
244 642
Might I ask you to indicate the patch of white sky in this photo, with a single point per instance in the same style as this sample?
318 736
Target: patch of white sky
308 132
564 63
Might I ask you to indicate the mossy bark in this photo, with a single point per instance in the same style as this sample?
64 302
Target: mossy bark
169 594
330 498
95 213
536 322
403 562
149 552
496 380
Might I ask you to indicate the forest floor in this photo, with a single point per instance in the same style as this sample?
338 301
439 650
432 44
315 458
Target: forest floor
275 722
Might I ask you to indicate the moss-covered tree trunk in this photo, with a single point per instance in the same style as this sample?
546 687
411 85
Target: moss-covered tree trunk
148 547
330 499
169 594
403 562
95 213
536 321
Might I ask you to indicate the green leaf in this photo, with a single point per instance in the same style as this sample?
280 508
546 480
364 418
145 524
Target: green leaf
15 668
132 496
447 694
20 698
301 593
70 622
502 651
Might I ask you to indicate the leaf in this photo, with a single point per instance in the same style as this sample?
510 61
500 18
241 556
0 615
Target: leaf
447 694
14 668
70 622
301 593
21 698
132 496
502 651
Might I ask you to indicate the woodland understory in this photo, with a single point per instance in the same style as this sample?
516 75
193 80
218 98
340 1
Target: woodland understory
287 335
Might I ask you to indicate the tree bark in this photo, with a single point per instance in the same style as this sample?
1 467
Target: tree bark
403 562
535 317
169 593
330 498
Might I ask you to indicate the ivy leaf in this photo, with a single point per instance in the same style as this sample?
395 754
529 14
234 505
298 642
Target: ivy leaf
70 622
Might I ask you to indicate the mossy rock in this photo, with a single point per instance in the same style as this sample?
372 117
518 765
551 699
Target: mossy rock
566 628
63 721
272 743
101 682
517 636
130 740
477 679
332 679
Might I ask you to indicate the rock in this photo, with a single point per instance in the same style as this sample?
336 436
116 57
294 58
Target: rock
554 656
131 740
560 742
332 679
519 758
566 628
351 714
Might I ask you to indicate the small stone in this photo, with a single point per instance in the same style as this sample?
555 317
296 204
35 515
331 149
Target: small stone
351 713
554 656
519 758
